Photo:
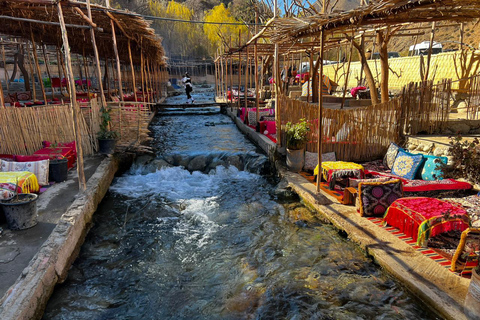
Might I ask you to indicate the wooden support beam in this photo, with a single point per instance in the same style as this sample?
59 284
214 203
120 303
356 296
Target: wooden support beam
320 113
429 57
73 99
39 72
30 67
47 67
346 76
98 70
87 19
7 78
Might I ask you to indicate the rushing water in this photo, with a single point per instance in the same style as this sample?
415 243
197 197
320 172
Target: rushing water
172 244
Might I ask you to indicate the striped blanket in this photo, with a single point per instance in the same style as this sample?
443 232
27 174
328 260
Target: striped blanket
26 181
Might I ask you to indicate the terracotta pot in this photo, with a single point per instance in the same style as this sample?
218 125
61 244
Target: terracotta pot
295 159
472 300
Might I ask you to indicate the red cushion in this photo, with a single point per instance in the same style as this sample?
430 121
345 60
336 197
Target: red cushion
21 158
7 157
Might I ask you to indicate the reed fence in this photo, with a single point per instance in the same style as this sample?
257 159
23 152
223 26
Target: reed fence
22 130
131 121
353 134
358 134
473 98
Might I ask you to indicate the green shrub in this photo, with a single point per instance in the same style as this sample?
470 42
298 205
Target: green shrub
297 134
465 159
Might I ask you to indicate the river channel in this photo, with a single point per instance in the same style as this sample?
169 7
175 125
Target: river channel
218 244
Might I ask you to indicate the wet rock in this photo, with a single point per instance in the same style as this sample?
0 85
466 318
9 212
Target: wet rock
160 164
199 163
235 161
144 160
170 159
301 216
284 192
215 163
183 161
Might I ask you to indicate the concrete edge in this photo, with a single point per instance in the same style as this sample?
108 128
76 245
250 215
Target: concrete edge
28 296
437 287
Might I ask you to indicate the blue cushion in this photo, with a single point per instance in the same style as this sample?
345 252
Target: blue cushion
407 164
391 154
431 168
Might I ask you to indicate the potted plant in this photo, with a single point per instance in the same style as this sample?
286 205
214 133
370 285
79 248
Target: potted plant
107 138
20 210
297 136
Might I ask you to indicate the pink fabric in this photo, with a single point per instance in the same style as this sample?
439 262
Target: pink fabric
422 217
21 158
355 90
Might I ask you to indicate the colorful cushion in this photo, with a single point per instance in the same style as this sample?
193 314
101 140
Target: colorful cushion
391 154
431 168
311 159
352 182
375 197
6 193
252 116
407 164
38 168
24 96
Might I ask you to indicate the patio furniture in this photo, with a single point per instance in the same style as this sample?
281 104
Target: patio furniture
334 170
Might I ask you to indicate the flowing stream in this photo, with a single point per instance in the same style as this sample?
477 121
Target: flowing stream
220 243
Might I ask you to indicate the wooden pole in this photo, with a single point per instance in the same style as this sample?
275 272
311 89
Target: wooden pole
239 69
245 90
85 67
7 78
429 57
255 56
320 113
231 77
59 70
75 107
132 69
30 66
348 72
39 72
98 70
2 100
142 62
276 68
362 46
47 63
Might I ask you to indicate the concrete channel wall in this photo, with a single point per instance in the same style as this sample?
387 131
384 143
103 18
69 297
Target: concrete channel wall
437 287
27 298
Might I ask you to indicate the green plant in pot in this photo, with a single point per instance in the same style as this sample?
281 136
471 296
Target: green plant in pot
297 137
107 138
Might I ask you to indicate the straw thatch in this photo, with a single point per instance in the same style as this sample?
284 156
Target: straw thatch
376 13
127 26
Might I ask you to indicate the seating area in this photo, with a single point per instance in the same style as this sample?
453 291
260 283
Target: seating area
407 194
31 173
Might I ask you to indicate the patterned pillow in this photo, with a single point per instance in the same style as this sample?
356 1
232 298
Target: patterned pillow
24 96
431 168
391 154
354 182
375 197
6 194
252 116
311 159
38 168
406 164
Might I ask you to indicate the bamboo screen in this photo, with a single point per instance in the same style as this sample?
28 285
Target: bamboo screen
22 130
130 121
425 107
473 99
353 134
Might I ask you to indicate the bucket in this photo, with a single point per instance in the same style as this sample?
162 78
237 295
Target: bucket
21 214
106 146
295 160
58 170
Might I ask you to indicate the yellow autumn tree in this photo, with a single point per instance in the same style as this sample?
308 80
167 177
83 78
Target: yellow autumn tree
219 34
178 37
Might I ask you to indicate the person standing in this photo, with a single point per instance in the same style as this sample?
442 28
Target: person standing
188 86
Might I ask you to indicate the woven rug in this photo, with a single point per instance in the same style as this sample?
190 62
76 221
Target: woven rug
337 193
434 254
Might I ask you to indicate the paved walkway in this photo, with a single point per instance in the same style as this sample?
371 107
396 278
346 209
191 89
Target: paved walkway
17 248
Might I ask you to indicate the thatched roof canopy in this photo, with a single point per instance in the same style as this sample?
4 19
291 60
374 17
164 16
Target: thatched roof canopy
383 12
21 17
